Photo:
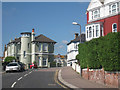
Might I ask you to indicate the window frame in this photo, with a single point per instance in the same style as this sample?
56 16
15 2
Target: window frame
97 30
44 59
111 9
97 14
113 29
90 32
40 48
45 45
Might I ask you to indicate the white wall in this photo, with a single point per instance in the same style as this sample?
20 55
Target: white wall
72 52
76 67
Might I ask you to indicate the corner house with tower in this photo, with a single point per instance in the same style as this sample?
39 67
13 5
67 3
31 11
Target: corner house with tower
29 48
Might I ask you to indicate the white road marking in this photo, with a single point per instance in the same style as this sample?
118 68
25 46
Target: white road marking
25 75
13 84
30 72
20 78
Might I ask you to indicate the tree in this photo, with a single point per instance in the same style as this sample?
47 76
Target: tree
9 59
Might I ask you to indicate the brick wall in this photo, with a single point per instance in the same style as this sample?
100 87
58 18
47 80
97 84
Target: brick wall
102 77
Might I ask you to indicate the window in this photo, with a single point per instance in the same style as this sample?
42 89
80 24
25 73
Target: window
96 14
102 30
113 8
93 31
44 60
28 45
87 33
39 46
90 32
24 53
92 14
118 6
114 27
75 46
45 47
97 31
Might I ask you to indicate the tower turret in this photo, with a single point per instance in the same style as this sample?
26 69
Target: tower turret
25 47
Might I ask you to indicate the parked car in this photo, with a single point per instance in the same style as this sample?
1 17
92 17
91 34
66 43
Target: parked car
22 68
13 66
33 65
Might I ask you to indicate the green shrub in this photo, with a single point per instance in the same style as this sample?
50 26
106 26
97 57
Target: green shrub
53 64
101 52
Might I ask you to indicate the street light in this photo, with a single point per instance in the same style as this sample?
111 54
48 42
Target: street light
75 23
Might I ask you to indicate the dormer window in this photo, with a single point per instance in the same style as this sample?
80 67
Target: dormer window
95 14
113 8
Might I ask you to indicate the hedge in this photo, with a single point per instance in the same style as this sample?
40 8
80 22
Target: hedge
101 52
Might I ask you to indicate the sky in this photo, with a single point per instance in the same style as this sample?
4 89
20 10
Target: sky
52 19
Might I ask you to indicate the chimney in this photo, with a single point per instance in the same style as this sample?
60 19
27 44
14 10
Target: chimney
76 35
33 34
33 30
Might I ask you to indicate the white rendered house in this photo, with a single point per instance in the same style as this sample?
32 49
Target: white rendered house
29 48
72 48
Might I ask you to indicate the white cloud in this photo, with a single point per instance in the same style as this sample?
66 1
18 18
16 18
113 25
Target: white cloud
61 46
64 41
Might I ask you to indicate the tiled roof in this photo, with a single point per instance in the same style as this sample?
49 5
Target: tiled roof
16 40
78 39
42 38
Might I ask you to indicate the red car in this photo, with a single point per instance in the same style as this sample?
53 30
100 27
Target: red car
33 65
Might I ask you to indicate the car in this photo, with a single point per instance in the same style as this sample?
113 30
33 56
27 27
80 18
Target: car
33 65
13 66
22 66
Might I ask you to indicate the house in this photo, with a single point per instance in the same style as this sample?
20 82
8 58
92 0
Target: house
72 48
30 48
103 17
61 60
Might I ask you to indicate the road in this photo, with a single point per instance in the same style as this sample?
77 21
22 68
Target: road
36 78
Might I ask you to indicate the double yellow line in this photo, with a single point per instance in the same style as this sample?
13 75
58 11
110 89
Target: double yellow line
56 80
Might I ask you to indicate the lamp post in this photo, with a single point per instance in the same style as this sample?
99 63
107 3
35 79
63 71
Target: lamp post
75 23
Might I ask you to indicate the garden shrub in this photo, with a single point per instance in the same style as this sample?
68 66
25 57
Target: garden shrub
101 52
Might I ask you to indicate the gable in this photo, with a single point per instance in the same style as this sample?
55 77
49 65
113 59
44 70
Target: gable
94 4
108 1
43 39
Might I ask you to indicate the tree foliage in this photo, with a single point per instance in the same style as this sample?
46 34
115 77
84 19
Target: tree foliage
9 59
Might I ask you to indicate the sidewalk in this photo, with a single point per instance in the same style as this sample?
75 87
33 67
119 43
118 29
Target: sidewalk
73 80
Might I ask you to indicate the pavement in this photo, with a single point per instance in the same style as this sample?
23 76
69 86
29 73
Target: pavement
70 78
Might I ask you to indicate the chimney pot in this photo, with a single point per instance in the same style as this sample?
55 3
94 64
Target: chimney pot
33 30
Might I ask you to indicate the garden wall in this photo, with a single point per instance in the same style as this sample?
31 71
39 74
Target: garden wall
102 77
